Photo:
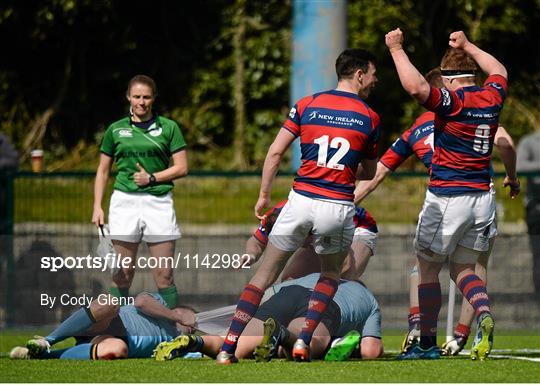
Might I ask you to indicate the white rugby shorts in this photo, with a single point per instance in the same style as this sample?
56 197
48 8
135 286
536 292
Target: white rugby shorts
331 224
368 238
139 216
447 221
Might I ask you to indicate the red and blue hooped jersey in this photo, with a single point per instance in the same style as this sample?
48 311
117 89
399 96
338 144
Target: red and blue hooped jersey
362 219
267 223
417 140
466 121
337 130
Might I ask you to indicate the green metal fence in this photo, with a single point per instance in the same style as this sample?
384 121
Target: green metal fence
215 212
214 197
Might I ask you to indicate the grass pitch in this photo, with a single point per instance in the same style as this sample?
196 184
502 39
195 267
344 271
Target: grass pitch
512 367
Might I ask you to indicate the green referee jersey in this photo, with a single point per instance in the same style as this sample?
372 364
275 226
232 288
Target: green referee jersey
151 148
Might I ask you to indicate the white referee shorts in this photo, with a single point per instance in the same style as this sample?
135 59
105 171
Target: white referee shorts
446 221
331 224
139 216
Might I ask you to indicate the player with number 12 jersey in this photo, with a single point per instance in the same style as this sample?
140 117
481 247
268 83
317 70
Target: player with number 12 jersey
337 130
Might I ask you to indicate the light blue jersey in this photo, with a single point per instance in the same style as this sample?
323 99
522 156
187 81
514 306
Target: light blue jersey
144 333
359 308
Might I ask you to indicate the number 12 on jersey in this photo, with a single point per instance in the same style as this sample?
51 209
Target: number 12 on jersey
342 146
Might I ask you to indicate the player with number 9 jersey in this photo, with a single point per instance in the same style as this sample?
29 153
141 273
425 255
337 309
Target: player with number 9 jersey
465 127
459 209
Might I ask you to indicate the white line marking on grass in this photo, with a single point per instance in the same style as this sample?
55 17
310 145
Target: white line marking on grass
517 351
515 357
468 352
499 356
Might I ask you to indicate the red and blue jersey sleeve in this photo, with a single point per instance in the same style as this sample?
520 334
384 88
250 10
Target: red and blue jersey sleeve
398 152
417 140
363 219
444 102
265 227
294 118
498 86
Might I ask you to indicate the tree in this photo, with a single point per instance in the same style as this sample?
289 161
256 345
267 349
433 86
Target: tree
223 68
245 87
508 29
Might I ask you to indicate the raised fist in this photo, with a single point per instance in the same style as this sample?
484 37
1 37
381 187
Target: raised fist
394 39
458 39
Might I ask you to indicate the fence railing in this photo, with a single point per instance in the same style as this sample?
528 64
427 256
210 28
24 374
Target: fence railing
213 197
50 213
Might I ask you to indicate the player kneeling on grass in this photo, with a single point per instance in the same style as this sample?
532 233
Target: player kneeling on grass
353 312
105 331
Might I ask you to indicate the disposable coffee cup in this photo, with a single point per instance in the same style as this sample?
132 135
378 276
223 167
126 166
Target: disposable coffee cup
37 160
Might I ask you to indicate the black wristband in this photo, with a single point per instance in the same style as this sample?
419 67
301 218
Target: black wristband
151 180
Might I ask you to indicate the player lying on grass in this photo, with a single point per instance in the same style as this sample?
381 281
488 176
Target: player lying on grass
278 321
112 332
418 140
303 260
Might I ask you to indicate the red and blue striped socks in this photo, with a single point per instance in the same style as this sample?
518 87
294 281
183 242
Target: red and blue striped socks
462 331
245 309
474 289
320 298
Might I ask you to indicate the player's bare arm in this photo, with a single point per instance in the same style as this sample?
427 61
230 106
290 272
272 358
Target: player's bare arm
507 150
489 64
412 81
102 176
364 188
148 305
272 161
